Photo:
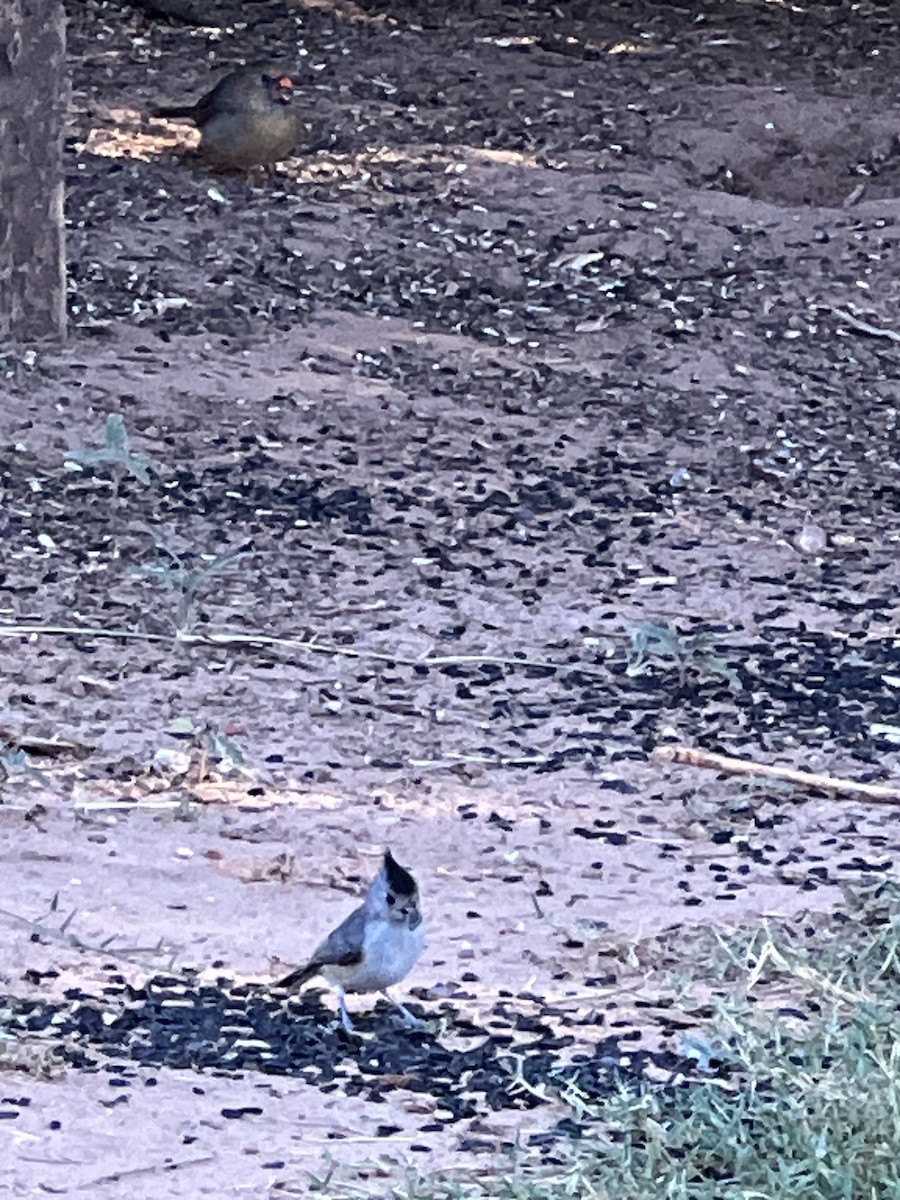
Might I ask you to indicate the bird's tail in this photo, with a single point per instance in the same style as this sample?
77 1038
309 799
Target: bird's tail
297 978
176 112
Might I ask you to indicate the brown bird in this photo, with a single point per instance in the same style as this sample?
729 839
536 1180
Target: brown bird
247 120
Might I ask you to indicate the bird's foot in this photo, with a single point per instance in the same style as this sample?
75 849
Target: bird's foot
409 1020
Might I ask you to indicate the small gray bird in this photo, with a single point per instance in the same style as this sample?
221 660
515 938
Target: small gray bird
375 947
247 120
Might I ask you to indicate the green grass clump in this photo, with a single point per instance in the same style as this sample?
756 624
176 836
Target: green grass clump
805 1104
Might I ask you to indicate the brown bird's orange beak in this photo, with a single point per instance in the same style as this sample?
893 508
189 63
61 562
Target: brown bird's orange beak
283 89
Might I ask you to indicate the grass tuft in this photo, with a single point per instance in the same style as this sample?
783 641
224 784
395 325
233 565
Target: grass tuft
803 1095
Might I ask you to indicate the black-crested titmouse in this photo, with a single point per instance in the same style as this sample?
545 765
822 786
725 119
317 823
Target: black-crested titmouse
375 947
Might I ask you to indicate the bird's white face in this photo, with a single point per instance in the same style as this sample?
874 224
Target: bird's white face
403 910
393 897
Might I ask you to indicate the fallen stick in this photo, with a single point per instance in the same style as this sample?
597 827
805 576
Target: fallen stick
231 640
48 747
876 792
865 327
150 1169
51 933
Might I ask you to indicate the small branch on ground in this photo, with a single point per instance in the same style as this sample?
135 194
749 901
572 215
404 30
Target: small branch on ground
60 933
864 326
150 1169
45 747
305 644
877 793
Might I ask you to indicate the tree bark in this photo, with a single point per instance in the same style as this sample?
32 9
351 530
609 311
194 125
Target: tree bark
33 95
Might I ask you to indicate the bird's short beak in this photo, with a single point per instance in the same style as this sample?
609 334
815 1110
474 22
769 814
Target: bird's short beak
283 89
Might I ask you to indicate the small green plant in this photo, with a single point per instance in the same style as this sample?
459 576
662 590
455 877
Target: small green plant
187 581
116 452
654 644
212 745
224 751
15 765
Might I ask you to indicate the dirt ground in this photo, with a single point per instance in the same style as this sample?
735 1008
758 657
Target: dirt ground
550 394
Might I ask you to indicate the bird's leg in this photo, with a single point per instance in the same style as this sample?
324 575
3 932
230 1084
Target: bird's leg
408 1018
348 1025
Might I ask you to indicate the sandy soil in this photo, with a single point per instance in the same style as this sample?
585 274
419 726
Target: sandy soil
550 397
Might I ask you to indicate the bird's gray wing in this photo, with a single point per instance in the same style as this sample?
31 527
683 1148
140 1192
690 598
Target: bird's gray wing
342 948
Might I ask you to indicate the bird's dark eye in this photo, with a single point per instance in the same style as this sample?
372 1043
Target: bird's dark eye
391 899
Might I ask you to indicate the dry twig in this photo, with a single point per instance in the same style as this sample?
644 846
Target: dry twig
865 327
877 793
60 933
303 644
150 1169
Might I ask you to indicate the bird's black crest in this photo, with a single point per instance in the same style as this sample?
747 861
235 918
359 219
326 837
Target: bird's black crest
399 879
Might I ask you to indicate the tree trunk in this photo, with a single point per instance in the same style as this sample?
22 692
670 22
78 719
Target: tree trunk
33 94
